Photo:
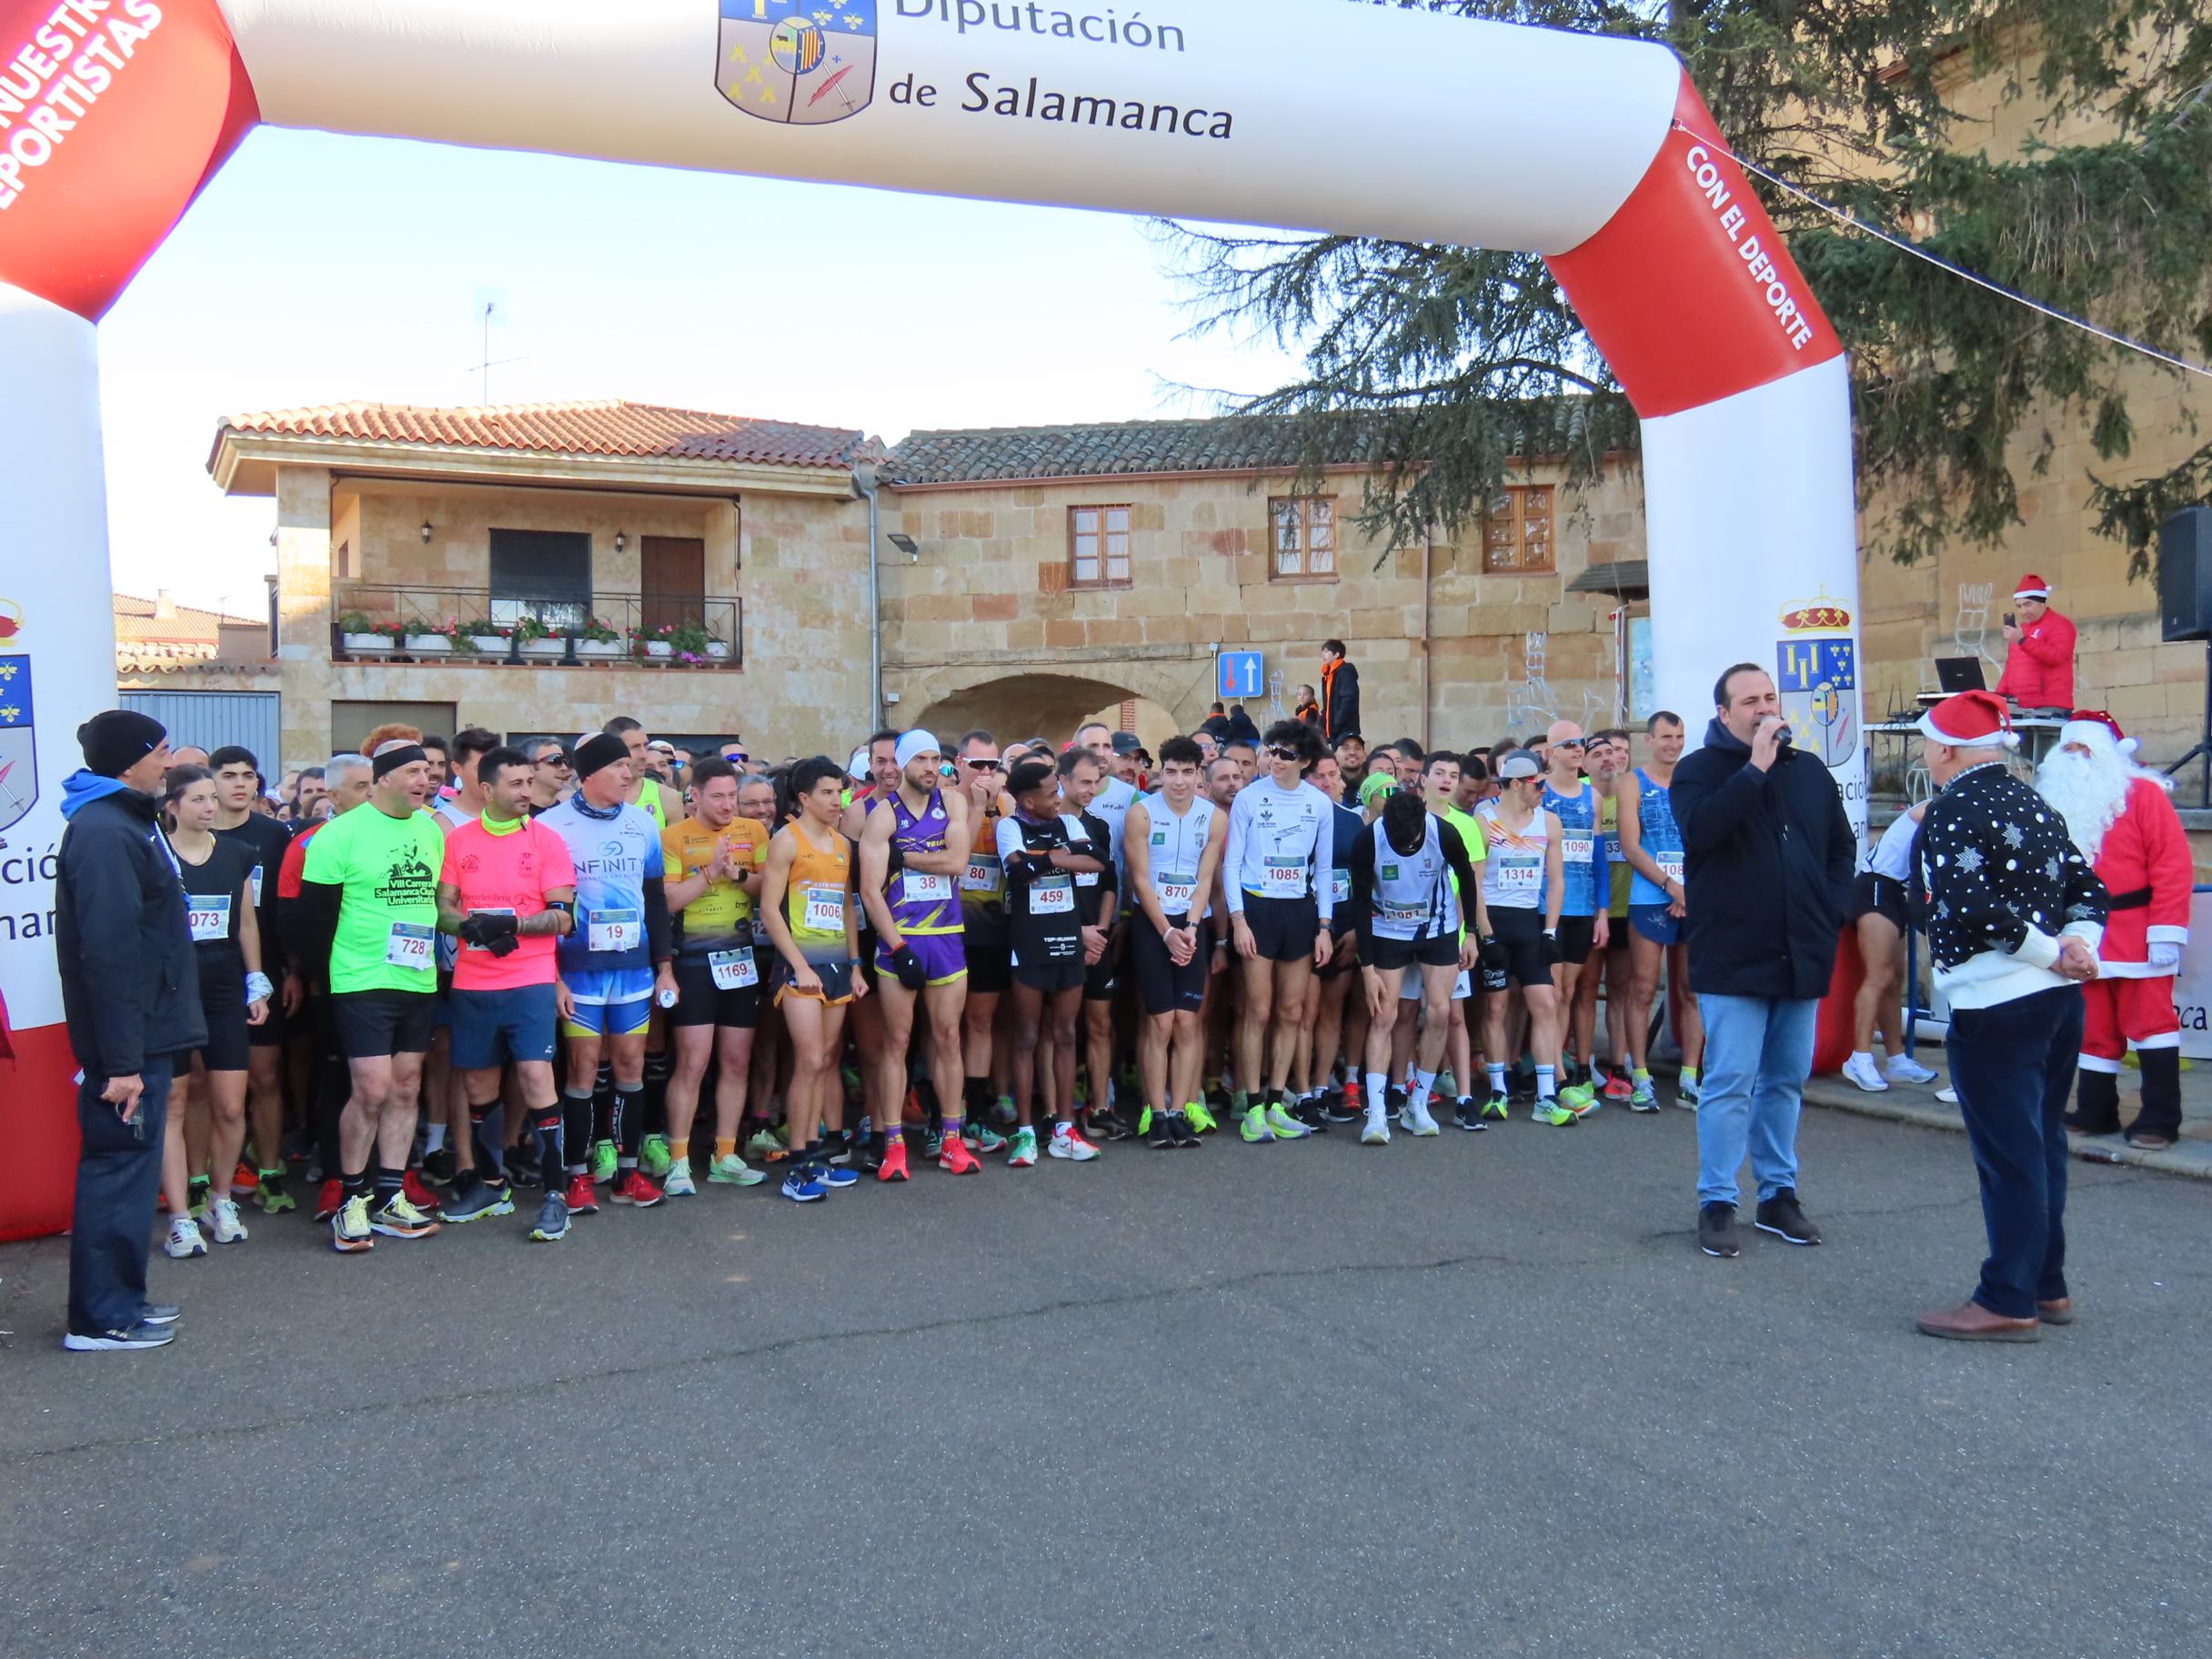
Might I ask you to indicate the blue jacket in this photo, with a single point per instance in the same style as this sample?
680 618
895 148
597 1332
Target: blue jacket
130 984
1767 863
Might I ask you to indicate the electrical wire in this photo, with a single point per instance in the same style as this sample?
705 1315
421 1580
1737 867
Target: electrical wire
1905 245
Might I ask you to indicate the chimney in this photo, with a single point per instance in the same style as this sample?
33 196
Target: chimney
164 608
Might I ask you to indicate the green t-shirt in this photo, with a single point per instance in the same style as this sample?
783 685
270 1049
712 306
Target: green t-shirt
1471 837
387 919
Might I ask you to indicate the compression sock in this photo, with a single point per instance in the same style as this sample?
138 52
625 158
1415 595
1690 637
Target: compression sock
655 1121
487 1134
577 1113
603 1104
975 1096
1424 1085
546 1130
628 1112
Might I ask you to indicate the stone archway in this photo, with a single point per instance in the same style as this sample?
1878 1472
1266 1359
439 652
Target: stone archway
1020 700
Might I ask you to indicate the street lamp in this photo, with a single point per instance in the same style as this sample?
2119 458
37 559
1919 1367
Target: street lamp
905 544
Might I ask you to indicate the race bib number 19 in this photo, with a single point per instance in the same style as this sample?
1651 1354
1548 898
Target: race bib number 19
614 930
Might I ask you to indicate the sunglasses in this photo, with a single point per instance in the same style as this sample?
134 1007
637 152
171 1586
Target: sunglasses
560 763
979 765
1277 752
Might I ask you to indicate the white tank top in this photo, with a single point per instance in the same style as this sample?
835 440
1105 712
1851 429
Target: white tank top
1512 875
1412 891
1174 847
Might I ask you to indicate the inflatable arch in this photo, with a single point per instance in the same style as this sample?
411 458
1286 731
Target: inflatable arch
1310 114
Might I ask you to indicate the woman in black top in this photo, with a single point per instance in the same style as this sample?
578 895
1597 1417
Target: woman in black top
208 1135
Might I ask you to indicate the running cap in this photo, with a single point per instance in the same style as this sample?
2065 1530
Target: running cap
1377 788
1520 763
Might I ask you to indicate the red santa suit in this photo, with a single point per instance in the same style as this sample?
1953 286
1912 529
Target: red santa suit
2125 824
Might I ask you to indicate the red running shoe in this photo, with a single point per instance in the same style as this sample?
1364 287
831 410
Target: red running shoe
956 1159
633 1189
893 1167
245 1180
1618 1087
417 1193
583 1197
332 1199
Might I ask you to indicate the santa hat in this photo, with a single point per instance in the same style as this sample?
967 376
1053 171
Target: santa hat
2097 731
2032 587
1972 719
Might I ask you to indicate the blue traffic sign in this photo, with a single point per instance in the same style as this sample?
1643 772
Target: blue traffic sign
1239 674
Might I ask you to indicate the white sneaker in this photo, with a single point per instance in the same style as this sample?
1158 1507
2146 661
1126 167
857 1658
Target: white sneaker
1417 1121
1071 1146
1949 1097
1860 1069
1905 1069
223 1227
679 1182
1376 1131
183 1240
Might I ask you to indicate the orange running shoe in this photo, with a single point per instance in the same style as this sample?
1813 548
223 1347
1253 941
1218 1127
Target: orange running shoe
956 1159
893 1167
245 1180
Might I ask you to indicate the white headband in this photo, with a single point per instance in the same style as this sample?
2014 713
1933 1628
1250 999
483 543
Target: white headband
916 743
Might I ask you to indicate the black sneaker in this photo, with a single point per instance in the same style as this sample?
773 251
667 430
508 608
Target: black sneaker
1185 1136
1338 1107
1468 1114
1393 1102
1163 1130
440 1166
1717 1231
838 1147
140 1335
1782 1216
522 1167
1308 1112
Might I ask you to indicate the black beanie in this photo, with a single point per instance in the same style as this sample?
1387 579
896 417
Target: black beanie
604 749
118 739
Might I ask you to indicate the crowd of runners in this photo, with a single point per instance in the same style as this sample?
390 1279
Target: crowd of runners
605 972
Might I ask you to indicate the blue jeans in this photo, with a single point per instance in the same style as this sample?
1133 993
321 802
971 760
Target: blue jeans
2013 1066
1758 1051
119 1172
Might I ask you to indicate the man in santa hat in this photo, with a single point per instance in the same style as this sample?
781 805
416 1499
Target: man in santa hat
2039 659
2015 914
2121 819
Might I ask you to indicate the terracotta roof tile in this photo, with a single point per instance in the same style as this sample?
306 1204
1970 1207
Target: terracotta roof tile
611 426
186 627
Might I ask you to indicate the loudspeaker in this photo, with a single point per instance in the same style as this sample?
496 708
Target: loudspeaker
2185 574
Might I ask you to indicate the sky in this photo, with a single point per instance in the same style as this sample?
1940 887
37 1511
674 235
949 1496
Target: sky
324 269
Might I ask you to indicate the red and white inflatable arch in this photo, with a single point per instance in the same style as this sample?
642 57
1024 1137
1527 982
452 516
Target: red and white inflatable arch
1300 113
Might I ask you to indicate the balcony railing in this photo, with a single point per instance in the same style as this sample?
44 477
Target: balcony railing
381 624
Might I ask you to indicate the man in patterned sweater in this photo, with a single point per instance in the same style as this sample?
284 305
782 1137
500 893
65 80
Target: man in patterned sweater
2015 917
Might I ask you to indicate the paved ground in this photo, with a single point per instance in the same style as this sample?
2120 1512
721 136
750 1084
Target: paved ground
1477 1395
1905 1103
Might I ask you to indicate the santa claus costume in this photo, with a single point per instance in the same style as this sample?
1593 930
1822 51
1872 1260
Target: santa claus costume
2126 826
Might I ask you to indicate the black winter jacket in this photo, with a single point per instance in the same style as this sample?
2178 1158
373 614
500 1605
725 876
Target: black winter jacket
130 985
1768 860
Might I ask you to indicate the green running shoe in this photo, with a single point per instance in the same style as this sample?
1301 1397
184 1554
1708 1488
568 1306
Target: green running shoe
1581 1098
654 1157
734 1172
1285 1126
1644 1098
1200 1121
1496 1104
1144 1123
602 1161
1553 1114
766 1142
270 1193
1023 1155
982 1137
1253 1127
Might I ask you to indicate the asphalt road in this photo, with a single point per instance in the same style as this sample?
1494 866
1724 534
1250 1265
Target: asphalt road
1476 1395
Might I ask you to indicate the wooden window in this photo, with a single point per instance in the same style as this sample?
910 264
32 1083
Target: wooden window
1304 538
1518 533
1097 547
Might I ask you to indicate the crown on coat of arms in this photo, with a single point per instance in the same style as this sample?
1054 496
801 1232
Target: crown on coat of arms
1818 615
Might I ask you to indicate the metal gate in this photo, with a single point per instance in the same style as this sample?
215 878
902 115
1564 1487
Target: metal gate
213 718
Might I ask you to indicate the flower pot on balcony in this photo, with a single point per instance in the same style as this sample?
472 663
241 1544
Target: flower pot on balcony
658 647
361 645
544 648
600 649
718 650
489 645
429 644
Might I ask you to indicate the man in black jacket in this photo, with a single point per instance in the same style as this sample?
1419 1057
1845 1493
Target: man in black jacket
1769 858
1340 693
131 994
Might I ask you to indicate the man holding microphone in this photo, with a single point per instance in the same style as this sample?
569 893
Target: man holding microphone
2014 918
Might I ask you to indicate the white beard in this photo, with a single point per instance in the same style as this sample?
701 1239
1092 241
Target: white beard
2090 794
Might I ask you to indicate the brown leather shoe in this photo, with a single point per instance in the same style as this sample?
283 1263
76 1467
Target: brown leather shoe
1972 1323
2060 1313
